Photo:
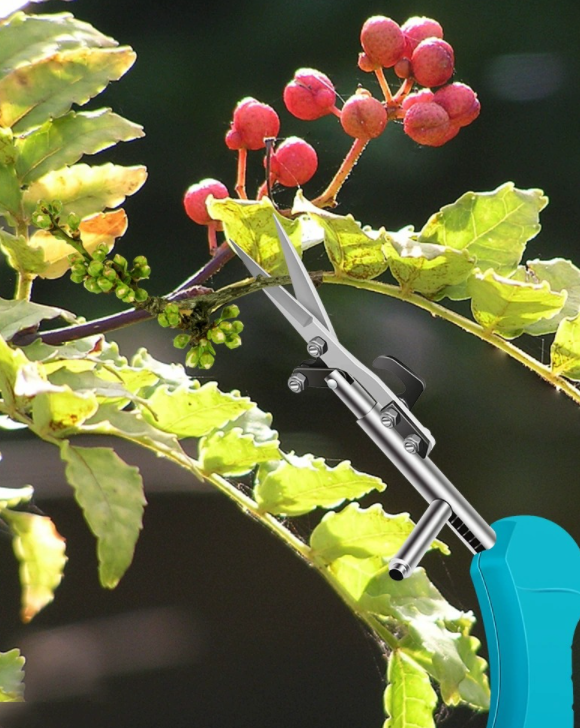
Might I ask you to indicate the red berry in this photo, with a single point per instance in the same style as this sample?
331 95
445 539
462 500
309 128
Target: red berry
310 95
363 116
427 123
420 97
293 163
433 61
417 29
403 68
196 196
365 64
382 40
253 122
460 102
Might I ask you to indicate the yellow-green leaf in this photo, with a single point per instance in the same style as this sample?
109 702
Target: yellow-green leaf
11 677
21 254
85 190
17 315
12 361
565 350
193 412
110 493
56 413
10 193
47 87
251 226
363 533
40 550
63 141
298 485
354 574
409 698
352 251
562 275
11 497
506 306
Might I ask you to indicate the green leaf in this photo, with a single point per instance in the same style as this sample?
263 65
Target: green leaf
12 361
363 533
298 485
251 226
561 275
11 497
172 375
354 574
110 493
57 413
493 227
409 698
47 87
63 141
352 251
193 412
10 193
25 38
436 634
85 190
565 350
21 255
18 315
40 550
236 448
506 306
11 677
78 349
424 267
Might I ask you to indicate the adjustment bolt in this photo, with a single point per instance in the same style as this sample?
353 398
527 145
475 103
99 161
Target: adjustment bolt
316 347
390 417
297 383
412 443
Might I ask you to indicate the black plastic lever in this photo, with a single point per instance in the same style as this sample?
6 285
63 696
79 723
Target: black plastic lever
414 386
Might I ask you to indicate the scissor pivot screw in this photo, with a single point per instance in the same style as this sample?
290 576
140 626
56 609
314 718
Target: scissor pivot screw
297 383
390 417
316 346
412 443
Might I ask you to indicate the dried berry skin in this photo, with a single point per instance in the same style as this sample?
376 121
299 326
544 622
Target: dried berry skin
382 40
363 116
427 123
310 95
417 29
420 97
460 101
433 61
195 198
253 122
293 163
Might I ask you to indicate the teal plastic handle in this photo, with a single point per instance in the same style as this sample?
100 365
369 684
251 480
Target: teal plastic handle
528 586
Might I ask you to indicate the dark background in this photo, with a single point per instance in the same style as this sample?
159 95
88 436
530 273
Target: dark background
216 624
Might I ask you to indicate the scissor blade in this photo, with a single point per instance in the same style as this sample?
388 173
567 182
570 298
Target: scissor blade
294 312
304 289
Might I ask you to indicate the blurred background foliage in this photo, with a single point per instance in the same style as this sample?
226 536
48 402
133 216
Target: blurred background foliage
215 624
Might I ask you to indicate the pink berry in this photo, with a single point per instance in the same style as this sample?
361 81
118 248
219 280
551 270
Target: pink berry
252 123
403 68
460 102
420 97
382 40
433 62
365 64
293 163
417 29
427 123
310 95
195 198
363 116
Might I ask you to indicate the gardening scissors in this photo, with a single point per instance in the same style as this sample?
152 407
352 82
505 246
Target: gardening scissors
526 569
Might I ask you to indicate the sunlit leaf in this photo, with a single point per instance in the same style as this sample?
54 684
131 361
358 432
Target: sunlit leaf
56 413
85 190
298 485
63 141
363 533
352 251
193 412
236 448
77 349
172 375
565 350
21 255
11 677
46 88
354 574
11 362
17 315
251 226
409 698
10 193
562 275
506 306
11 497
40 550
110 493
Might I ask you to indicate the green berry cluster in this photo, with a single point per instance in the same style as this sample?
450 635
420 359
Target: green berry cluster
99 274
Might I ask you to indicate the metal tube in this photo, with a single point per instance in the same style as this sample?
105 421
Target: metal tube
422 536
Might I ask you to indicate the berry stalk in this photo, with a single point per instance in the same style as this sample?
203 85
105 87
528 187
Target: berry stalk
240 187
328 197
384 84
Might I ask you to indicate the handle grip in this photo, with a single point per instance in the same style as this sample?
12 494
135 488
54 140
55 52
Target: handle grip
528 587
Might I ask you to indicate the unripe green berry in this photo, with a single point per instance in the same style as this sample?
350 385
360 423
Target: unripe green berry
232 342
73 221
139 261
192 358
225 326
105 284
237 327
206 360
95 268
99 255
230 311
110 274
216 335
122 290
129 297
181 341
77 277
121 262
141 295
92 286
79 269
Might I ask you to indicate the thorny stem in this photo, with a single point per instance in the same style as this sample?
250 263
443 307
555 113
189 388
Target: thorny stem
241 178
328 197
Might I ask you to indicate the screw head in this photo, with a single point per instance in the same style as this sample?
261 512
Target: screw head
412 443
390 417
297 383
316 346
